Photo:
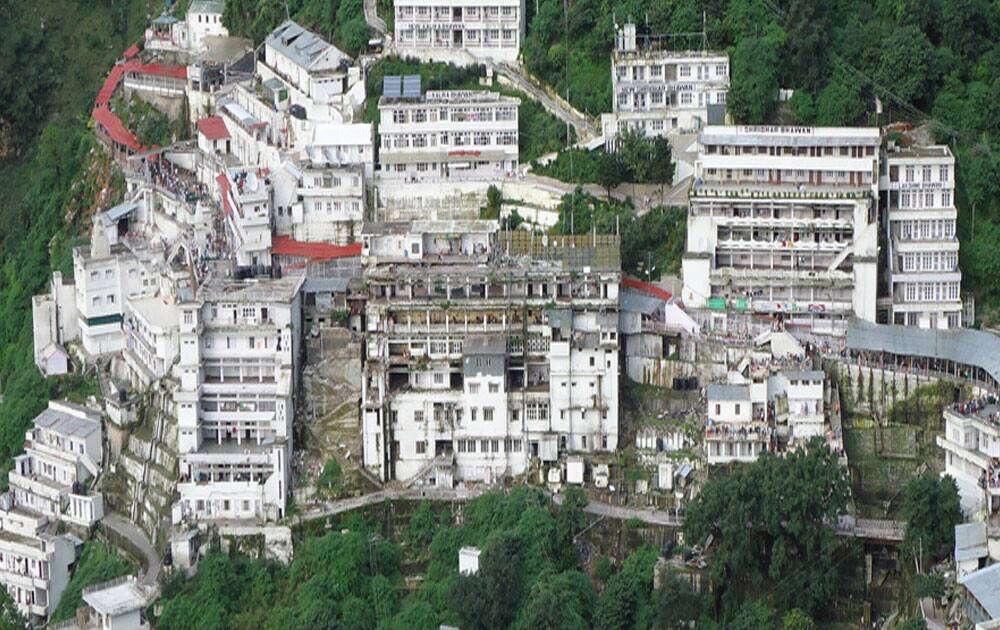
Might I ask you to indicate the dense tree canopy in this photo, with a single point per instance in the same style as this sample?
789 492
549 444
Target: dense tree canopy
931 509
770 522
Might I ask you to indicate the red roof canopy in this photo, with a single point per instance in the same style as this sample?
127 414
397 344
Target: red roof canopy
159 69
213 128
131 51
115 129
223 183
110 85
287 246
645 287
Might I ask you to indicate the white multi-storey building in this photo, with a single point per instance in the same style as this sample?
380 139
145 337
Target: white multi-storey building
451 31
104 276
342 145
971 444
62 452
34 561
457 134
486 352
320 78
658 91
783 221
151 340
246 203
239 357
319 202
918 186
803 393
54 322
739 426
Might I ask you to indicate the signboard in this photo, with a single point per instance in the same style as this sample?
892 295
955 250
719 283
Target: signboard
777 129
716 304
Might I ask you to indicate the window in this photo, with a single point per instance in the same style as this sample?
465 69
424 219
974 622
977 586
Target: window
472 413
438 378
685 71
494 388
946 199
487 414
418 415
718 410
473 388
926 173
944 173
111 298
910 173
737 409
685 98
421 447
188 317
720 70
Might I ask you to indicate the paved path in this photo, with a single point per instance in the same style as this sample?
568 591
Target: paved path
137 537
585 129
332 508
653 517
372 18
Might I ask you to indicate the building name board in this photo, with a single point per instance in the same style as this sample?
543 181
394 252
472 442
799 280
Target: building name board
917 185
777 129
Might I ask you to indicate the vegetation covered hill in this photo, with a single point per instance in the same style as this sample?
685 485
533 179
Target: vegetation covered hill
53 57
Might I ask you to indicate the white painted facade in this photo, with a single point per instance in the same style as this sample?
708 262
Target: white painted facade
246 201
151 337
320 78
55 322
34 564
339 144
783 220
738 429
448 134
104 276
498 379
918 187
459 31
115 605
203 19
658 91
971 445
238 360
803 391
319 203
62 450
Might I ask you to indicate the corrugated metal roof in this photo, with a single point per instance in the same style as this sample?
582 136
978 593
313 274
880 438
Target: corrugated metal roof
66 424
636 302
984 585
971 347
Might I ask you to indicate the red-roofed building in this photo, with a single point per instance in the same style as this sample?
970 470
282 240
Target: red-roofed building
161 79
213 136
111 131
291 254
646 287
131 51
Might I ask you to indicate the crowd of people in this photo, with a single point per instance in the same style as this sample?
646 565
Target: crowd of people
163 173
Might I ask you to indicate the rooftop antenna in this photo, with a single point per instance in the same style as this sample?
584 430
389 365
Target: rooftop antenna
288 14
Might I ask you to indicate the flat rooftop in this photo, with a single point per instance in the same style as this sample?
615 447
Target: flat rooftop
116 596
455 227
156 311
251 290
918 152
789 135
68 424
